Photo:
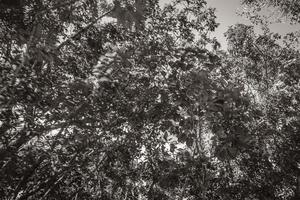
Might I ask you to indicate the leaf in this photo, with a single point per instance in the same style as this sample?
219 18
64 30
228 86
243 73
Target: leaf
232 152
189 141
183 113
104 79
174 123
221 134
2 98
172 147
244 138
166 136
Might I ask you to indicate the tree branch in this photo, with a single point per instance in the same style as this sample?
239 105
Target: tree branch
84 29
25 178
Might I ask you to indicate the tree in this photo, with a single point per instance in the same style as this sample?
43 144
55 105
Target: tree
123 100
289 8
261 62
82 99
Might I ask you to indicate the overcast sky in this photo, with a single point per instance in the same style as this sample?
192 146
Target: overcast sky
226 16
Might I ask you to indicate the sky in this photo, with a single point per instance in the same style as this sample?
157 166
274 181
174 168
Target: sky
226 12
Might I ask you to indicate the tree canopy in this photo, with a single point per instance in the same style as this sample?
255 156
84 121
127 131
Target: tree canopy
128 100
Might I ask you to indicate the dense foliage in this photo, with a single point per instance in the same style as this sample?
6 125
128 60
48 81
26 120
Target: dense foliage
129 100
287 8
